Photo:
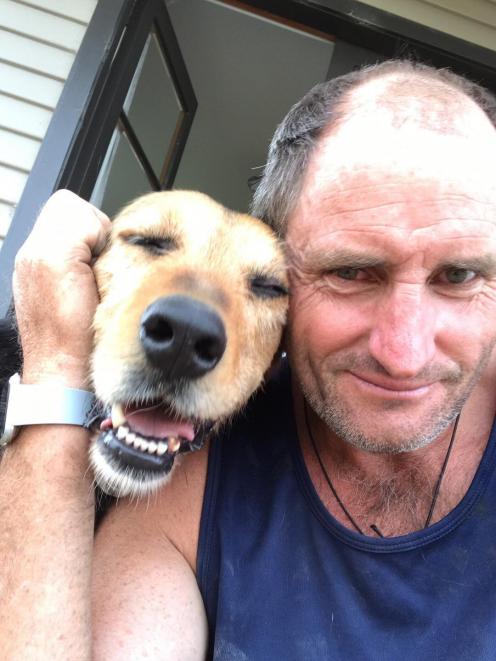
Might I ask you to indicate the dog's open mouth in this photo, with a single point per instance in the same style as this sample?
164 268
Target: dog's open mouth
143 441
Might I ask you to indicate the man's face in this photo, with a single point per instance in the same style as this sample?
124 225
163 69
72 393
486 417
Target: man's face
393 311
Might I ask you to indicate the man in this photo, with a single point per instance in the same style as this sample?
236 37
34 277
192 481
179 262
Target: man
362 530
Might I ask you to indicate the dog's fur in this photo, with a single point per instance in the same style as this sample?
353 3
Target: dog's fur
183 245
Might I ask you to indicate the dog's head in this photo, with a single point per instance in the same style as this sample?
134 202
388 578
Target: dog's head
193 302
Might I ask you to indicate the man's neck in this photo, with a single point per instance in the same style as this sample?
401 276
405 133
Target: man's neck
394 492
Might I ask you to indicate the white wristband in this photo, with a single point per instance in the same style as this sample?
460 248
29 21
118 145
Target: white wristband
42 404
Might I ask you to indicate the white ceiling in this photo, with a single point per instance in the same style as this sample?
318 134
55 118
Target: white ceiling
246 71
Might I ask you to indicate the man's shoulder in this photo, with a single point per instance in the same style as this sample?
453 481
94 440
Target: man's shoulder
172 514
258 441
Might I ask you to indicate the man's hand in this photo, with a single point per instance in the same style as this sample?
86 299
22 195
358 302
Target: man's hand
55 292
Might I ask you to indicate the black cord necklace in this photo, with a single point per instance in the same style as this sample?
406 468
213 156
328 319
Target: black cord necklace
340 502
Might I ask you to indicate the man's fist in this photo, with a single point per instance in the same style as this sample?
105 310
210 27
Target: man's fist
55 293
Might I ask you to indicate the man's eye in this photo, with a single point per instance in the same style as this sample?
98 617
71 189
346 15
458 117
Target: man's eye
349 273
457 276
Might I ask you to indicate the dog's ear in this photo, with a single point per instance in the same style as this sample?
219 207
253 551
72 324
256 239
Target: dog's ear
10 357
10 350
279 355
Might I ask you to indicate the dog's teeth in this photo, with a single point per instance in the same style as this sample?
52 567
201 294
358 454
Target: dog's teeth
152 447
137 442
161 448
144 445
174 444
130 438
117 415
122 433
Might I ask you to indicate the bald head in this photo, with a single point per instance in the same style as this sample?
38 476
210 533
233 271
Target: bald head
412 97
410 124
393 96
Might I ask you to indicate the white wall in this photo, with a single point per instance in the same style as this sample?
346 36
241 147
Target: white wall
472 20
38 43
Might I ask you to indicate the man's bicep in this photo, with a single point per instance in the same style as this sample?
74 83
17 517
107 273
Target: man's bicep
146 601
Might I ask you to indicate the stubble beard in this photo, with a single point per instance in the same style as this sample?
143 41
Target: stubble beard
322 394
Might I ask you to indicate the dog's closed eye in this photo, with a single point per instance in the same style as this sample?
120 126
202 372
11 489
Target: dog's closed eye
155 245
267 287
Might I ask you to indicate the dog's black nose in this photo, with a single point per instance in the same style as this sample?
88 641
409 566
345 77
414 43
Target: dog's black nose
183 337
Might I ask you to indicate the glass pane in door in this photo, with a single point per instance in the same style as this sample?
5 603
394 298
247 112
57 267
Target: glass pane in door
152 106
121 176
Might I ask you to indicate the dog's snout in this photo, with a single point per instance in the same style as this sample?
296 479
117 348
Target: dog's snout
182 336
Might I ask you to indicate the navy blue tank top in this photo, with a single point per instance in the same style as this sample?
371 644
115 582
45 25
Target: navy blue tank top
282 579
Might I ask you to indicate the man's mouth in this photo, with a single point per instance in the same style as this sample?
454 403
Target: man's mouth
392 387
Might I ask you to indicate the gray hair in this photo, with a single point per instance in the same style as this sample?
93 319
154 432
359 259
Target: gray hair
322 108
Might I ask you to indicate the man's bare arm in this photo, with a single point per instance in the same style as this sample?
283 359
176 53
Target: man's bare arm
46 500
46 514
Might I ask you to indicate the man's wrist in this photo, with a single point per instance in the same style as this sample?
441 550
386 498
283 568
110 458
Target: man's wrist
53 460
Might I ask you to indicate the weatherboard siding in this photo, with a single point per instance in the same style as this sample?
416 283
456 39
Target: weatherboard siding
39 40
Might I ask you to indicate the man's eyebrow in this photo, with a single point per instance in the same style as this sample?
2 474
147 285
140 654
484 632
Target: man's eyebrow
484 264
328 260
332 259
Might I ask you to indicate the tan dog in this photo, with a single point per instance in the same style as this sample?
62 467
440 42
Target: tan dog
193 302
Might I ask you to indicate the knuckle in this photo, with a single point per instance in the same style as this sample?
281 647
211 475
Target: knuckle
63 194
60 201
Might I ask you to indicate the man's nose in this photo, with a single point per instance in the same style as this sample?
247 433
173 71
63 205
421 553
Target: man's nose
403 335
